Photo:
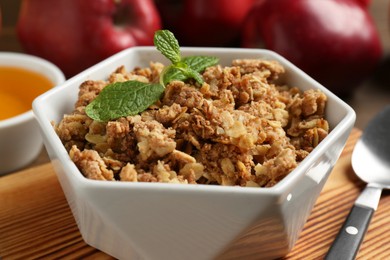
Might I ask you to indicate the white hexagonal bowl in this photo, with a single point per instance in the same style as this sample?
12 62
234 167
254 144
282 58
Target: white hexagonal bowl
173 221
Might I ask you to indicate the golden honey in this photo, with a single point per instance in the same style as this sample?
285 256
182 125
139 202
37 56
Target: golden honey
18 88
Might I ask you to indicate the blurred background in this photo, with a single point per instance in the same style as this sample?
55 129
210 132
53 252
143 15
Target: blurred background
367 97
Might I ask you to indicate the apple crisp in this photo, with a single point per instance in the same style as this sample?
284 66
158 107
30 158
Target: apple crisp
241 127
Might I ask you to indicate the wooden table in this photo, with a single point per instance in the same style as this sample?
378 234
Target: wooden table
36 222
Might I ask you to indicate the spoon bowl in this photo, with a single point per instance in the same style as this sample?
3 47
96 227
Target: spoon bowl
371 163
371 156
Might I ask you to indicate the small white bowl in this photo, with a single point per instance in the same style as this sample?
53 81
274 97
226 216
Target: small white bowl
20 139
172 221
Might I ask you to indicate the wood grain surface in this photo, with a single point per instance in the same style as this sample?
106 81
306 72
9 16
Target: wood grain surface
36 222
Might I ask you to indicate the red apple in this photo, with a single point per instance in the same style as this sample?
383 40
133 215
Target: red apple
76 34
1 22
334 41
205 22
365 3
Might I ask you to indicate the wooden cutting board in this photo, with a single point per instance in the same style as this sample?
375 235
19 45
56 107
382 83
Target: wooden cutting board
36 222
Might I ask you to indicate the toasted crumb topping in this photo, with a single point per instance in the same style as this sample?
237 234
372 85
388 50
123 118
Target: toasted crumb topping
241 127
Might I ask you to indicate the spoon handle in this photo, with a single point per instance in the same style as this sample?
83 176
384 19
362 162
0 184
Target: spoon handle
350 236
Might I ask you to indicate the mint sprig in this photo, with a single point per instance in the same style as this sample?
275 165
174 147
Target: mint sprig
132 97
181 68
196 63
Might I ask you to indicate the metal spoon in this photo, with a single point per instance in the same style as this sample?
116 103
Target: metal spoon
371 162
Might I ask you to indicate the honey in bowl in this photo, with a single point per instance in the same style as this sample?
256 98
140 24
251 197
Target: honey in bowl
18 88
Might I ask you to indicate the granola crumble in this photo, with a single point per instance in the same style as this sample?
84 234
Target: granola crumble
241 127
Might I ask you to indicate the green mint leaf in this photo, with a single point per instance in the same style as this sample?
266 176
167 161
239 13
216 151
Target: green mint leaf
200 63
190 73
168 45
123 99
195 63
171 74
180 73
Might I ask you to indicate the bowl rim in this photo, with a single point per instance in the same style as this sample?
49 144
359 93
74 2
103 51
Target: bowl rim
62 156
58 75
